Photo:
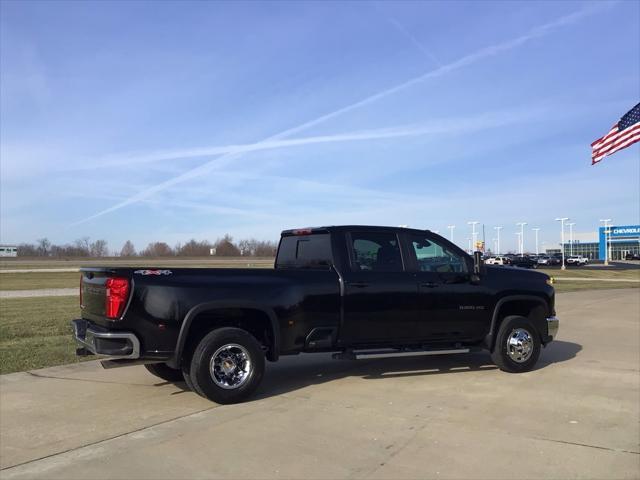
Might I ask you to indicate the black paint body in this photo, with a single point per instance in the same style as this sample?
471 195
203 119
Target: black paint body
353 309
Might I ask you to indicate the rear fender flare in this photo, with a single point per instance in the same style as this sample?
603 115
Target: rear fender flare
222 304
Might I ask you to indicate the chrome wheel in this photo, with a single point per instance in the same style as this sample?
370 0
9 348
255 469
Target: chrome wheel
520 345
230 366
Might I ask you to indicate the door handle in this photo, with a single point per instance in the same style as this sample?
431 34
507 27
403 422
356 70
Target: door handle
358 284
429 285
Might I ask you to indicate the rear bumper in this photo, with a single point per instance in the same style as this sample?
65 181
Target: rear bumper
115 345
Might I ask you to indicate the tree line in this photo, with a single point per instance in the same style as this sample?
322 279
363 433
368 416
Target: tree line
84 247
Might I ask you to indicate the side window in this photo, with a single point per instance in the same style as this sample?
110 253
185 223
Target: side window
433 257
376 251
305 251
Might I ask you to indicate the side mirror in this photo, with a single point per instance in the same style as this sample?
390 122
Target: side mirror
477 263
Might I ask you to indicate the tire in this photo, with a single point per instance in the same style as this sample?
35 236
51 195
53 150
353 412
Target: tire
516 329
239 365
165 372
186 376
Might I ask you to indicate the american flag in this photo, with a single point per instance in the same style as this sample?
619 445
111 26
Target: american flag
624 133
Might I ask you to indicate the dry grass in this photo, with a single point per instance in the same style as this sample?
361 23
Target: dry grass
36 332
38 280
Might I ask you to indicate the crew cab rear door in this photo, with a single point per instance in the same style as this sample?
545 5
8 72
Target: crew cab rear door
380 296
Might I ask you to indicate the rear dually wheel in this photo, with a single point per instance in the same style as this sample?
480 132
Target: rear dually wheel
227 365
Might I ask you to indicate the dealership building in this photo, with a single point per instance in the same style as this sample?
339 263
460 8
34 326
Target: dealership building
623 239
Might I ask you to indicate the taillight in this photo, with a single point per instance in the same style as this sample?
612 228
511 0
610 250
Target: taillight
116 298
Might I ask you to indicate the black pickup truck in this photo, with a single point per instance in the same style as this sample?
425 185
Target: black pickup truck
358 291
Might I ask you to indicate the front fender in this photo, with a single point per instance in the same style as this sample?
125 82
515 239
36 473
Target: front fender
493 329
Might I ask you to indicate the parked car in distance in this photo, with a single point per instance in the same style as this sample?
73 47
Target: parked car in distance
544 260
524 262
555 259
576 260
498 260
632 256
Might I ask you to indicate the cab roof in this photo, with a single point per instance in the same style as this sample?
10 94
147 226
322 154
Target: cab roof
347 228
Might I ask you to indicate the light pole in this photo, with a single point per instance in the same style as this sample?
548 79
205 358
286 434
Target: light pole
562 220
570 225
521 224
606 240
495 245
451 227
497 229
473 233
519 241
536 230
470 249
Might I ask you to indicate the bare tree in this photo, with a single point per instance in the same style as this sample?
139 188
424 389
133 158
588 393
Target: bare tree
128 250
257 248
27 250
194 248
265 249
157 249
246 247
99 248
225 248
82 247
44 246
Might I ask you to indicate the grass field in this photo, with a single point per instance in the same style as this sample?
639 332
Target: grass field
38 280
573 286
602 272
592 278
35 332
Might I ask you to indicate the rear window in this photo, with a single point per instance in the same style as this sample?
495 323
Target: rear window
305 251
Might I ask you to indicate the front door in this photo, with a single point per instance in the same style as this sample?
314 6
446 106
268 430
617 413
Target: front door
452 308
380 296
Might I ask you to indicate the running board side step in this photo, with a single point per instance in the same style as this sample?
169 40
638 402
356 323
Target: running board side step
365 354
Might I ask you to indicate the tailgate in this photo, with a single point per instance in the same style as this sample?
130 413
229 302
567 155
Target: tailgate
97 284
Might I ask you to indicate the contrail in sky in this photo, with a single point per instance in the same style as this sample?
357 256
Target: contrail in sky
472 58
436 126
414 40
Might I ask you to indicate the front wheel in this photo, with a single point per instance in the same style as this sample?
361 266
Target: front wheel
517 346
227 365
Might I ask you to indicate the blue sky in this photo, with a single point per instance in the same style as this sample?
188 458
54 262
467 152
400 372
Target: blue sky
177 120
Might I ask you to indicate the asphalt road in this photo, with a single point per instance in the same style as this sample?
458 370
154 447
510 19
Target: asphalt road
576 416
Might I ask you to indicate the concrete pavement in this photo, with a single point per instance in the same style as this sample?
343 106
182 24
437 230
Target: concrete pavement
576 416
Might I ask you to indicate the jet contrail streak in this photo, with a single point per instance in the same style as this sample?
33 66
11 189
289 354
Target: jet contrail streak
437 126
483 53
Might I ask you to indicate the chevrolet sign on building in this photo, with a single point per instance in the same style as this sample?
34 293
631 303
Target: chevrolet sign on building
623 238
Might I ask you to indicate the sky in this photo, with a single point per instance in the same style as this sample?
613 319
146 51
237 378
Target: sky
166 121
